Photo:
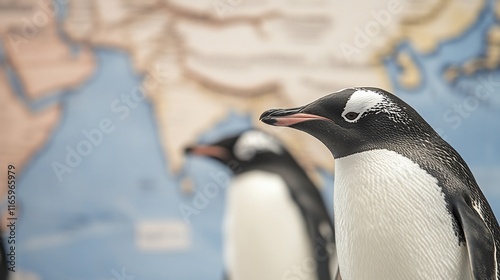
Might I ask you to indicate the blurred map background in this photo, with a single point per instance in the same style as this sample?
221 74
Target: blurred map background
98 99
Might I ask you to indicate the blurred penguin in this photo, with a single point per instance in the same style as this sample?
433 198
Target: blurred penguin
276 225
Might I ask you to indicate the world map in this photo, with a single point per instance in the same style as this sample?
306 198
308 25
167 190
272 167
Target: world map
99 98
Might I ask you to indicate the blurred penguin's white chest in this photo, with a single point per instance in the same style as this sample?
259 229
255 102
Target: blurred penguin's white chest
265 233
392 221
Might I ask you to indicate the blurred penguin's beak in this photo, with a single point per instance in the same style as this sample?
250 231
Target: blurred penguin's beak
208 151
288 117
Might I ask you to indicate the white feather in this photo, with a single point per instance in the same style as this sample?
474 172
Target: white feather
265 234
253 141
362 101
392 222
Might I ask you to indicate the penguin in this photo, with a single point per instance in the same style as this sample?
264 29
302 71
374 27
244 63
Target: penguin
276 225
406 205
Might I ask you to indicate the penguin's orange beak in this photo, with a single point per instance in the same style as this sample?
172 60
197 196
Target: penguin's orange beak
209 151
288 117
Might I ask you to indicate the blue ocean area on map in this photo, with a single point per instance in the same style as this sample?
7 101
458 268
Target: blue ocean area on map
123 181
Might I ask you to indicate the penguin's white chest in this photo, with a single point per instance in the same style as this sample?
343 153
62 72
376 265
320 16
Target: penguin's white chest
392 222
265 234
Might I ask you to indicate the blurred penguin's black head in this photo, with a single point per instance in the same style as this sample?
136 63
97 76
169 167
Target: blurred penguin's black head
243 151
354 120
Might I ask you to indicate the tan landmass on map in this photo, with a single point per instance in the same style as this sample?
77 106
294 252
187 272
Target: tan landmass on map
23 132
410 75
497 9
249 56
43 63
23 275
446 20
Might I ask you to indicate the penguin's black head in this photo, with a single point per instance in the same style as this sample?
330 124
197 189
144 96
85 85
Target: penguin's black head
244 151
354 120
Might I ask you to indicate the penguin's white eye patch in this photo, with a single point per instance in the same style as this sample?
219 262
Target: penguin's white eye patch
359 103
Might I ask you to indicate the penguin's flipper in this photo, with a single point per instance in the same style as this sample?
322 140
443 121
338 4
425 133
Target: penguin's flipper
479 239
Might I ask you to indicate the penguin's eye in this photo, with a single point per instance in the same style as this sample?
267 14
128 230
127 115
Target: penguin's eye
351 116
